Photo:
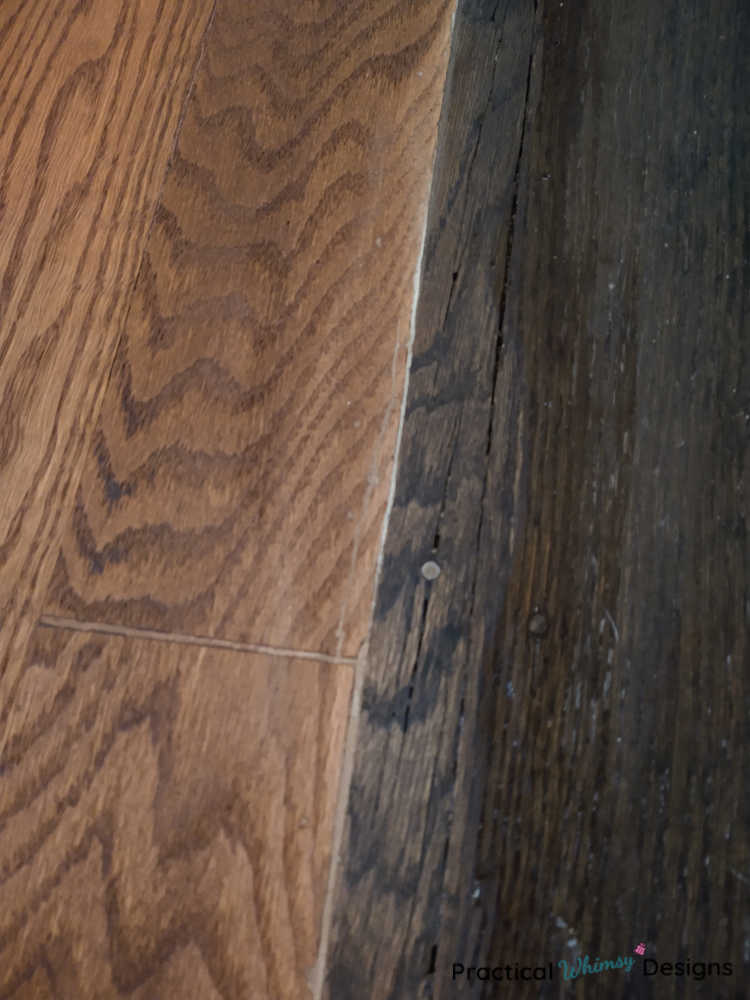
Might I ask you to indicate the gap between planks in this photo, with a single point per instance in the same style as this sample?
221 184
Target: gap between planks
317 977
53 621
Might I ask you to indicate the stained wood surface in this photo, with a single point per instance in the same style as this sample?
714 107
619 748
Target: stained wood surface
230 280
81 169
553 744
166 820
237 483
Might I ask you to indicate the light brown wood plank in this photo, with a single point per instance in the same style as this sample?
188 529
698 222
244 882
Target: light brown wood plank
90 99
165 820
239 475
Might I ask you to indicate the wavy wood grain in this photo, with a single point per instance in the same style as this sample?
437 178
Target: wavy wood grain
238 480
90 99
165 820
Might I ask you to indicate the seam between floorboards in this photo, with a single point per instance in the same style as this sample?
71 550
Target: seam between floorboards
317 975
178 638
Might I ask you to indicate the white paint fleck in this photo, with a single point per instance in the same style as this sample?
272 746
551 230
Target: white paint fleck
612 623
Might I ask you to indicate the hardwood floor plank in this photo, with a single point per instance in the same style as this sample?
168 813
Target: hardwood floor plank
239 475
90 99
404 905
553 743
165 820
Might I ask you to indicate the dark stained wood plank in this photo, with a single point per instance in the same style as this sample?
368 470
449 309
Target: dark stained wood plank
166 818
554 744
90 99
238 480
403 896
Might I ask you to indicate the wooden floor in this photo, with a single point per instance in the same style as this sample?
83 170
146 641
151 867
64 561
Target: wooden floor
224 771
211 221
167 819
554 742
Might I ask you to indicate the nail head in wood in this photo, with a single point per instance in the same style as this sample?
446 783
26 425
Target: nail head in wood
430 570
538 625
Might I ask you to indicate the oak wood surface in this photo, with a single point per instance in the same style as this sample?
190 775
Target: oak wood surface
554 739
238 478
165 820
90 99
166 808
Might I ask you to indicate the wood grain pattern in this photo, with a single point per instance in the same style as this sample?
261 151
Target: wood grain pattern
239 475
166 820
90 98
554 740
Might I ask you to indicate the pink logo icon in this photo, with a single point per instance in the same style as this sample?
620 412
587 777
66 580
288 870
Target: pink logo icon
641 949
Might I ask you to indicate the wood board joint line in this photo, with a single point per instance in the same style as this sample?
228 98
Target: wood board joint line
318 973
208 642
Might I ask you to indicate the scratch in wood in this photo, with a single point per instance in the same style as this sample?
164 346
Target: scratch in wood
467 187
612 623
459 729
417 655
436 539
509 248
501 317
